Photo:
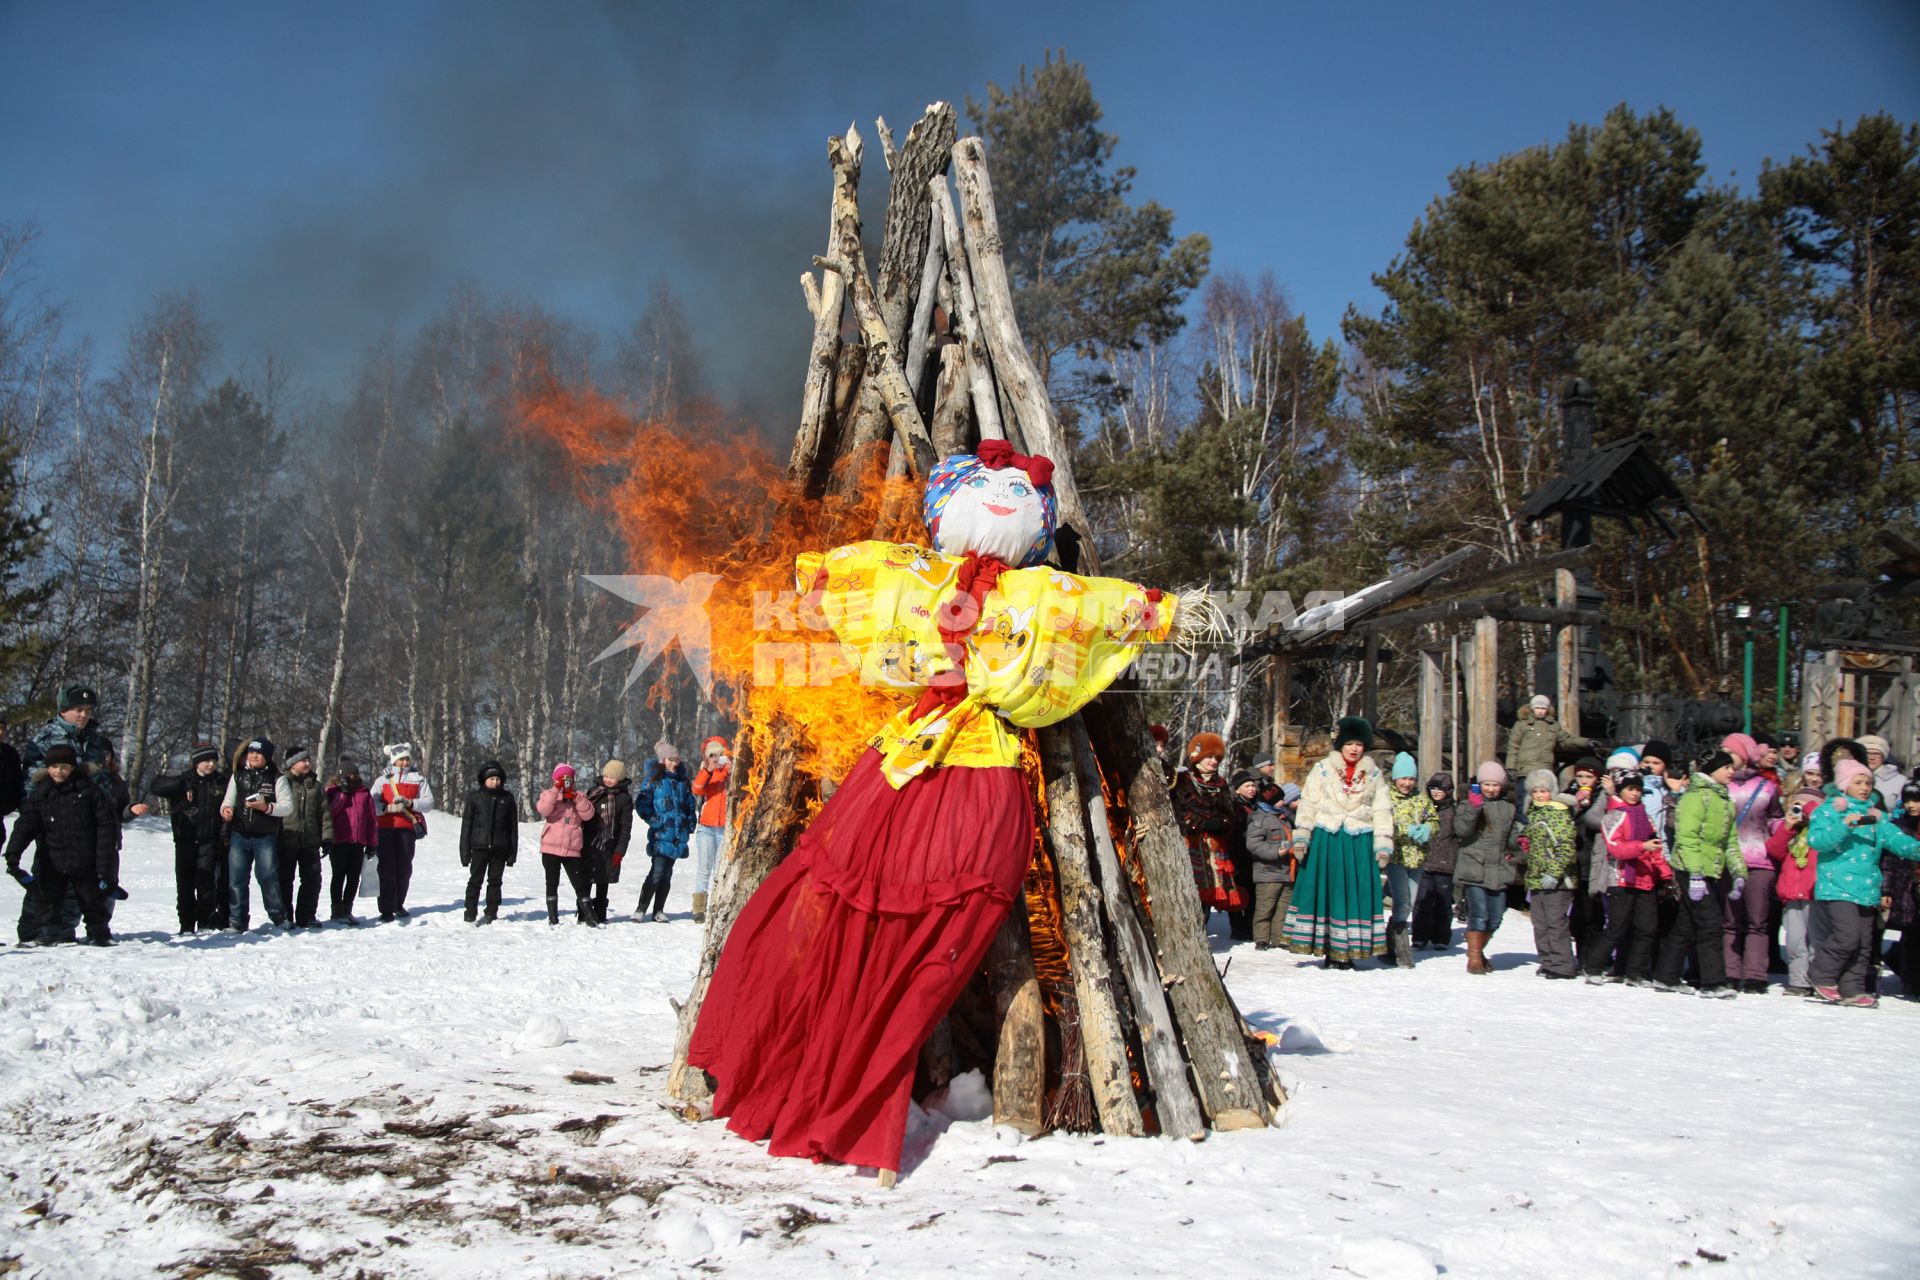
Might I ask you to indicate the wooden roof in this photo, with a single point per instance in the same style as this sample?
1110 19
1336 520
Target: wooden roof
1624 480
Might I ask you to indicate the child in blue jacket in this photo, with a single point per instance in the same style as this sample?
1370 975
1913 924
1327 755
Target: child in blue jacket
665 802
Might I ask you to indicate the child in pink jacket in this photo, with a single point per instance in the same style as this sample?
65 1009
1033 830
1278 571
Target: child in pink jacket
1798 866
1636 857
561 841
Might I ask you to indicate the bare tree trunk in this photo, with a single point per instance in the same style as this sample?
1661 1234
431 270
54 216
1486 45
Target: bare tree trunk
156 475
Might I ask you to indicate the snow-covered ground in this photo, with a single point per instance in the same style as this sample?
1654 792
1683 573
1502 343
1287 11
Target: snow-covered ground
383 1102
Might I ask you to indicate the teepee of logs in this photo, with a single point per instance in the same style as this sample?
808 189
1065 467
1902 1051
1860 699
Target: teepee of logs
1099 1007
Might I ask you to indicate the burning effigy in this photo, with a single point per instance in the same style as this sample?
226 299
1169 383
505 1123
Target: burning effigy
949 845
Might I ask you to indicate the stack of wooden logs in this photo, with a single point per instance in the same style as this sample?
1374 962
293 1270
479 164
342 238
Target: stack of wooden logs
1146 1025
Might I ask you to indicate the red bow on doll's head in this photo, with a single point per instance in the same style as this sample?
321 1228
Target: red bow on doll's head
997 454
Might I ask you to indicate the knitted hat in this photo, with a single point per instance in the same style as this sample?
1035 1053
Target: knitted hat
1441 782
1590 763
1623 758
1833 748
1289 792
1404 767
1542 780
1262 760
61 753
1716 762
1910 792
1874 742
203 751
1656 749
296 754
615 769
1490 771
563 773
263 745
1245 776
1206 744
1630 781
398 751
1764 739
1844 773
1811 762
709 743
1540 702
491 769
1352 729
1745 749
349 767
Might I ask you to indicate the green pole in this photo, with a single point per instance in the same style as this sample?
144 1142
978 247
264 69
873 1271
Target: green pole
1746 699
1780 678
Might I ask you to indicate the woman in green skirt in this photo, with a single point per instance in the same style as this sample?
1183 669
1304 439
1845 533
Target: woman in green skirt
1343 831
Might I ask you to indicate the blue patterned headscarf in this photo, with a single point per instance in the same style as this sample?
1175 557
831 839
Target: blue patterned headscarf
995 455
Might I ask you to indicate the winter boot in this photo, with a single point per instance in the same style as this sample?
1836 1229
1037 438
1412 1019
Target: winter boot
1397 942
489 917
553 908
1477 952
699 908
586 915
471 915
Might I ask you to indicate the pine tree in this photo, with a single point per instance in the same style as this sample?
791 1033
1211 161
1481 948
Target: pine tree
23 590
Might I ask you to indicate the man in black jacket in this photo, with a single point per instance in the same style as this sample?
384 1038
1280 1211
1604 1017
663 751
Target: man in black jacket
199 848
78 834
489 838
307 830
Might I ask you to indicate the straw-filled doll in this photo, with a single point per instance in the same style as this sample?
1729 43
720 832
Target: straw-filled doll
854 948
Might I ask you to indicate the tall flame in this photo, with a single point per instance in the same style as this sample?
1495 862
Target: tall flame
699 494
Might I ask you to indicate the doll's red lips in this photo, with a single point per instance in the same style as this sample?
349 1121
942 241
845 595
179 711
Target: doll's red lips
1000 511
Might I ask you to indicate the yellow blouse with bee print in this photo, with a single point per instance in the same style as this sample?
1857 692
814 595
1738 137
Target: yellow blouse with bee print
1045 643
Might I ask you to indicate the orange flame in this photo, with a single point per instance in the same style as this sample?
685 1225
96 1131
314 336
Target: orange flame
701 494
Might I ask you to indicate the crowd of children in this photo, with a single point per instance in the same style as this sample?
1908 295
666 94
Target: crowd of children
1631 870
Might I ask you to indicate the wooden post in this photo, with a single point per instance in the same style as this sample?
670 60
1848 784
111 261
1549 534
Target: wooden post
1370 681
1566 595
1433 719
1483 728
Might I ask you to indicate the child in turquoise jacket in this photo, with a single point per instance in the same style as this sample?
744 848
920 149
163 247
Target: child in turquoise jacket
1850 833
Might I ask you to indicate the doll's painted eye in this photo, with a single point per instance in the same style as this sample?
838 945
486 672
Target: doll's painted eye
976 482
1019 490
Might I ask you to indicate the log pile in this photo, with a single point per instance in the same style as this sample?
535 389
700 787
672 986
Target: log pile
1099 1006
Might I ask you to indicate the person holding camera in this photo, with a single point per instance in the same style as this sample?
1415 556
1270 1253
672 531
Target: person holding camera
1851 836
562 841
199 865
257 802
1797 869
351 805
710 793
401 798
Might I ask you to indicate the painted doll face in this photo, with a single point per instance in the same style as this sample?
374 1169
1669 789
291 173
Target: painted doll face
994 513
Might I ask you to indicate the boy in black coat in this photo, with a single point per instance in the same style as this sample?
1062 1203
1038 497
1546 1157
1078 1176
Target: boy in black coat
199 841
489 839
78 832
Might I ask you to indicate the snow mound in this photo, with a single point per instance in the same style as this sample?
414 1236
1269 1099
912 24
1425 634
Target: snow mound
1303 1035
965 1098
1384 1258
690 1235
543 1031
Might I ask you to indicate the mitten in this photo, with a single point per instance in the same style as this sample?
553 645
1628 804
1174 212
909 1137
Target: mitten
1548 883
113 891
466 859
1475 799
1739 887
1696 888
15 870
1525 846
1420 832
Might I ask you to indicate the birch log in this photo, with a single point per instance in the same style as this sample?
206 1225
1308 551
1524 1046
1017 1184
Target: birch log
817 398
920 331
906 231
1102 1038
986 399
951 403
1020 1062
1177 1110
884 375
1208 1024
1012 367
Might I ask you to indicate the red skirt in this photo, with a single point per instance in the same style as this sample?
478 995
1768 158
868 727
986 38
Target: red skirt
845 960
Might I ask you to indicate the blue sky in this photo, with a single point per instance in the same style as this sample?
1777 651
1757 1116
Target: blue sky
323 174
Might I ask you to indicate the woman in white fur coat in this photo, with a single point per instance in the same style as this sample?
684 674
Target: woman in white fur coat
1343 831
